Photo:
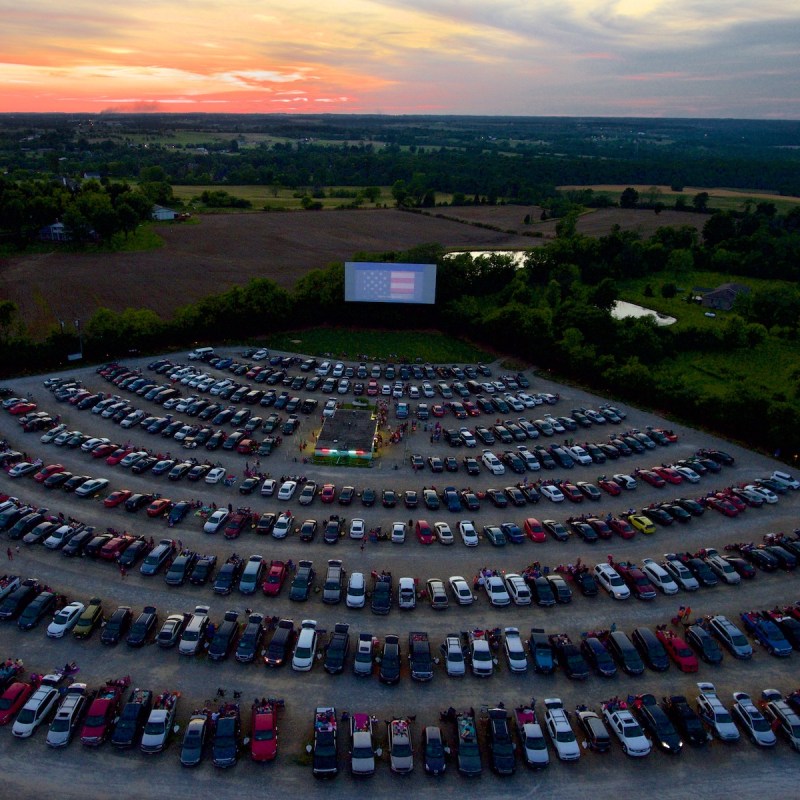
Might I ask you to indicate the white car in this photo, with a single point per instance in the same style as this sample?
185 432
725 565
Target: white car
552 492
560 731
722 568
713 712
481 658
680 574
611 581
751 719
216 521
468 437
468 533
92 487
513 402
625 481
338 370
282 526
268 487
215 475
305 649
59 537
65 620
20 469
52 433
356 590
287 490
526 400
496 591
323 369
493 463
628 731
789 481
132 458
330 408
443 533
531 462
579 454
406 593
514 650
95 441
132 419
658 576
461 591
453 656
518 589
401 756
260 355
534 747
427 389
357 529
398 532
38 707
768 495
688 474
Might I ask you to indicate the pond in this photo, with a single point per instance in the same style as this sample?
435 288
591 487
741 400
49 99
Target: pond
623 309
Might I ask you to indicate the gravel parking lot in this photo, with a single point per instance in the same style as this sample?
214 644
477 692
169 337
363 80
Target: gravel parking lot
33 770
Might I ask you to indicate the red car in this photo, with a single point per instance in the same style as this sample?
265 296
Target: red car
328 493
571 491
636 580
246 446
424 532
607 485
648 476
13 699
437 411
471 408
159 507
600 527
117 498
372 388
264 731
735 501
112 550
25 407
236 524
275 578
118 455
104 450
534 530
669 474
669 435
722 505
622 527
678 650
102 711
46 472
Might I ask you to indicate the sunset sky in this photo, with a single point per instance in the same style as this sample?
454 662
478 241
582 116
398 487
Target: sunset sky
709 58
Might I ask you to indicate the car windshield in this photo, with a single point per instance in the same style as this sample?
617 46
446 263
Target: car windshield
362 752
434 749
535 743
482 655
26 716
760 725
303 652
402 750
60 725
264 735
739 640
95 721
723 717
154 728
190 636
565 736
61 618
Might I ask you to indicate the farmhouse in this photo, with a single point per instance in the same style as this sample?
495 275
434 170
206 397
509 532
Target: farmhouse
724 296
162 214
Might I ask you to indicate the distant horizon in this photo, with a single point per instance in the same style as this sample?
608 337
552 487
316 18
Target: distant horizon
641 59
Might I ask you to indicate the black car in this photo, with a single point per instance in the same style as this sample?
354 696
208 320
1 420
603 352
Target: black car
569 657
227 737
585 581
541 591
595 653
180 568
96 544
390 660
389 498
42 606
143 627
346 495
137 501
704 644
382 595
308 530
132 719
178 512
303 581
203 570
685 719
280 644
650 649
250 640
594 729
368 497
144 464
501 745
117 626
333 530
655 721
627 656
433 749
337 649
134 553
74 547
224 636
228 575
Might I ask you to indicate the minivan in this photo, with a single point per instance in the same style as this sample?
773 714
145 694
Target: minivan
195 632
731 636
201 353
627 656
650 649
157 557
334 582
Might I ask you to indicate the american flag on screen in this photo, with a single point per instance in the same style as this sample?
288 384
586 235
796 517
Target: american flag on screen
381 285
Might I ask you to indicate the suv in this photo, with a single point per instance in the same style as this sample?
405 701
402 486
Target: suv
560 731
611 581
157 557
195 632
623 650
777 711
68 716
731 636
334 582
651 650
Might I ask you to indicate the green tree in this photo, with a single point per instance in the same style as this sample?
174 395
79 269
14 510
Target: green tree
700 202
669 290
629 198
400 193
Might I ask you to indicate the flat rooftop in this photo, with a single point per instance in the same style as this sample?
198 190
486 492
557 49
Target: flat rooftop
347 432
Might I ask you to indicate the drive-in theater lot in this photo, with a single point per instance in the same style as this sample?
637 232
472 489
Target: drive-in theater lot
31 769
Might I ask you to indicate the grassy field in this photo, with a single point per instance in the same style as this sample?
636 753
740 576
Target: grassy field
688 313
723 199
266 197
384 345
